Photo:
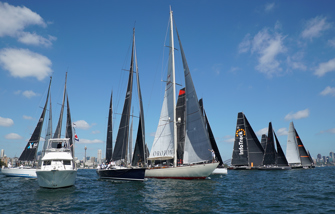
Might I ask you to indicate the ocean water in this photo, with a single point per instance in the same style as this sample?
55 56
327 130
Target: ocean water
252 191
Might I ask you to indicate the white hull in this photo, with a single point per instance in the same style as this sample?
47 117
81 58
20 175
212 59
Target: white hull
56 178
19 172
220 171
200 171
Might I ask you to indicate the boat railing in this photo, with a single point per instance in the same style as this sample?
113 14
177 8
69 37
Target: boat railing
58 150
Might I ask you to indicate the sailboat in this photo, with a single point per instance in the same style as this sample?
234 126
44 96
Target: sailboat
297 155
247 152
29 152
120 166
273 160
58 168
196 157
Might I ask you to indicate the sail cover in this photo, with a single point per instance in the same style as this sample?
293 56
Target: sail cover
197 143
292 152
270 151
255 149
29 153
240 150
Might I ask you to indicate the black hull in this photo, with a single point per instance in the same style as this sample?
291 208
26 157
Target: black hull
128 174
275 168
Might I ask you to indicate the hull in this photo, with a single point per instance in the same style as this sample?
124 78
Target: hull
220 171
275 168
56 178
19 172
200 171
240 168
127 174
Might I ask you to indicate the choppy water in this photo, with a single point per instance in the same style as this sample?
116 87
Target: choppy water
288 191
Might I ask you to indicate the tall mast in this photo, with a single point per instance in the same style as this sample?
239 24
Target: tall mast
174 91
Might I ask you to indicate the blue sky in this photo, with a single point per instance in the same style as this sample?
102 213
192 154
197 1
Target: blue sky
273 60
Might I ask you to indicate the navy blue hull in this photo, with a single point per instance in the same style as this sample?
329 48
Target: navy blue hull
131 174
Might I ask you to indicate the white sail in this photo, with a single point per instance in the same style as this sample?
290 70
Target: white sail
197 143
292 151
163 146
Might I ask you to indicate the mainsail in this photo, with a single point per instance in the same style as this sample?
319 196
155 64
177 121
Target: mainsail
270 151
163 147
69 130
240 150
304 156
58 130
197 141
292 151
109 140
180 118
49 130
281 159
29 153
263 140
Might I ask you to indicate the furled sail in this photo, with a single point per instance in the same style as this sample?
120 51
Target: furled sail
109 140
29 153
197 141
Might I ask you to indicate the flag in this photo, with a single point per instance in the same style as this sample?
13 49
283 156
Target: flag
76 137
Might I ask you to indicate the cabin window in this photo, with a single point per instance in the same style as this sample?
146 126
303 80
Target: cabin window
66 162
48 162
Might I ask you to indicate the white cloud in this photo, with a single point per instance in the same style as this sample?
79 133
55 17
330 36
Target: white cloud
96 132
27 117
298 115
82 124
269 7
6 122
267 46
86 141
17 92
15 19
325 67
282 131
24 63
332 131
13 136
331 42
244 46
34 39
295 61
229 140
314 27
328 90
262 131
217 68
29 94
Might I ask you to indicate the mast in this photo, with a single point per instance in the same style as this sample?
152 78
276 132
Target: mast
58 130
121 144
174 90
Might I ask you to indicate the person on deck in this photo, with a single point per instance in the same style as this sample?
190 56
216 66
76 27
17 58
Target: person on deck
213 154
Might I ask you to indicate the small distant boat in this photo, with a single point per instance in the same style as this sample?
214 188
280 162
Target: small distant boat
297 155
58 168
273 160
164 156
123 167
247 152
29 153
